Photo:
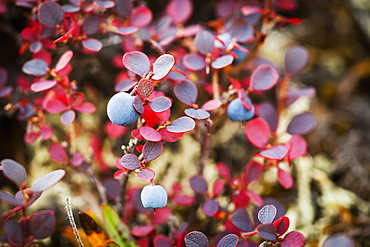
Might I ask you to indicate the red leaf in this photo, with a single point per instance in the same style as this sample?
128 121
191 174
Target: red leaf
276 152
293 239
218 187
170 137
46 132
245 100
257 132
297 146
114 131
161 215
257 199
179 10
140 16
141 231
282 225
285 179
162 66
150 134
137 62
145 88
223 170
40 86
146 174
58 153
267 231
253 171
85 107
77 159
263 78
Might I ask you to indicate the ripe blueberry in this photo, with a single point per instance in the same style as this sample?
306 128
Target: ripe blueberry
154 196
120 109
237 112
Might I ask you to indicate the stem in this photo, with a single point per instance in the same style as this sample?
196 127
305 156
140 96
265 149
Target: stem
216 93
72 221
282 97
72 138
124 182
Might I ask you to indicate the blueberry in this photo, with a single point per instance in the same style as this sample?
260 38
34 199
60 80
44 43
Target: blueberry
121 111
237 112
154 196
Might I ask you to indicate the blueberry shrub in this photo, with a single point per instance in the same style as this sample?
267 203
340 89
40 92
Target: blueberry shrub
162 123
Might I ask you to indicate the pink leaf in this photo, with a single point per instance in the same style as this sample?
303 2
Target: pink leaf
127 31
293 239
179 10
276 152
114 131
58 153
40 86
245 100
77 159
285 179
150 134
46 132
257 132
263 78
141 231
218 186
140 16
137 62
63 60
297 147
253 171
146 174
85 107
211 105
223 170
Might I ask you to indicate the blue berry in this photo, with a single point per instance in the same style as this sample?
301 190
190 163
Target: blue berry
237 112
154 196
121 111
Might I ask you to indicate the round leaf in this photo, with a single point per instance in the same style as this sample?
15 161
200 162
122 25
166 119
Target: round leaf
230 240
267 231
137 62
68 117
187 92
263 78
162 66
127 31
193 62
105 4
338 240
40 86
58 153
140 16
257 132
296 239
14 232
285 179
63 60
124 7
211 105
141 231
222 62
245 100
35 67
181 125
196 239
253 171
179 10
296 59
92 45
302 124
48 180
297 147
276 152
138 105
198 114
240 29
160 104
146 174
145 88
42 224
130 161
152 150
204 42
150 134
162 241
50 14
14 171
210 207
282 225
267 214
268 112
198 184
241 220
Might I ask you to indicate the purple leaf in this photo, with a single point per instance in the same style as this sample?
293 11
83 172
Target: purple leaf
50 14
240 29
146 174
196 239
124 7
179 10
230 240
276 152
152 150
5 91
140 16
92 45
241 220
268 112
302 124
162 66
40 86
263 78
14 232
127 31
42 224
296 59
293 95
150 134
3 76
210 207
14 172
296 239
130 161
9 199
105 4
162 241
35 67
187 92
137 62
267 214
222 62
35 46
204 42
48 180
193 62
245 100
138 105
338 240
91 24
30 199
68 117
267 231
198 114
160 104
181 125
198 184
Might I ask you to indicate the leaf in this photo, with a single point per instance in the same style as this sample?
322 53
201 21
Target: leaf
196 239
193 62
105 4
63 60
140 16
198 114
285 179
240 29
210 207
181 125
127 31
268 112
296 239
124 7
92 45
211 105
40 86
42 224
204 42
137 62
26 202
91 24
222 62
145 88
276 152
230 240
114 226
146 174
282 225
14 232
130 161
160 104
257 132
14 172
296 59
58 153
3 76
179 10
263 78
150 134
267 214
35 67
50 14
223 170
68 117
162 240
302 124
187 92
85 107
337 240
152 150
241 220
49 180
162 66
9 199
218 187
245 100
253 171
138 105
297 147
267 231
141 231
198 184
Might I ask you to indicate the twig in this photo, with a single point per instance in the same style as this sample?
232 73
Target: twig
72 221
